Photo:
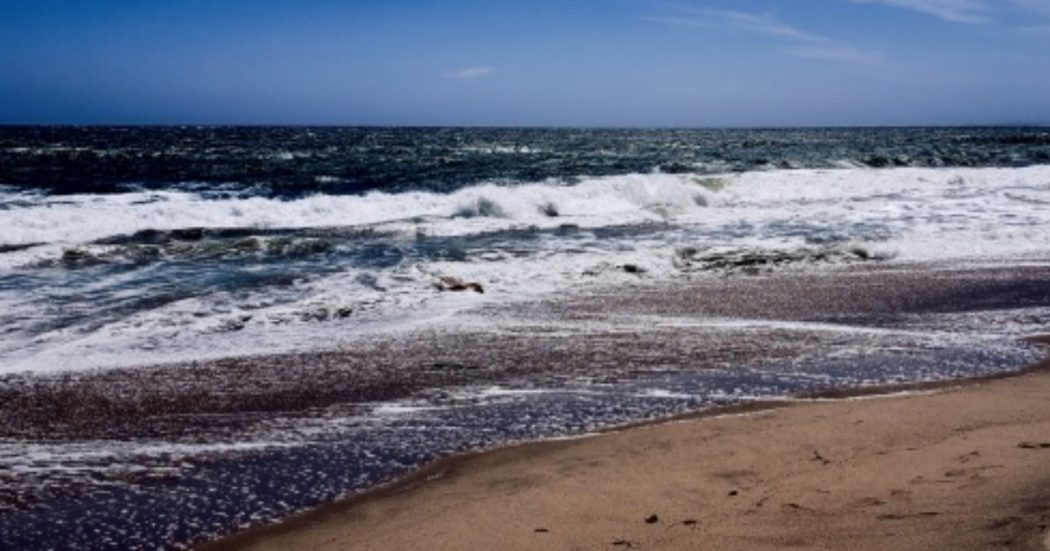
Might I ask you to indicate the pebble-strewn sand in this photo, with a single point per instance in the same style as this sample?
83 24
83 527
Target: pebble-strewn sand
962 468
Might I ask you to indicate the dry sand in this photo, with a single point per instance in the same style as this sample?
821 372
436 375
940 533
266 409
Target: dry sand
966 467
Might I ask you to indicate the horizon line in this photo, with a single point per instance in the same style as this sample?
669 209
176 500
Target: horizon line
522 127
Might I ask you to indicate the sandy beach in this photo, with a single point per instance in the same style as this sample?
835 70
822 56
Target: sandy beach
962 467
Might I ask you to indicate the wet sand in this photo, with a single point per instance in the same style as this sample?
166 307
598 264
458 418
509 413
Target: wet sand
612 331
967 467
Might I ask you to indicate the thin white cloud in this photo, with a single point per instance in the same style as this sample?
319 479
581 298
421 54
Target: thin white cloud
847 54
955 11
970 11
764 23
802 43
470 72
759 23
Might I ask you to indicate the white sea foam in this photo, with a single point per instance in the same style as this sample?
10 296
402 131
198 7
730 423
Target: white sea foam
72 219
1000 204
666 394
911 214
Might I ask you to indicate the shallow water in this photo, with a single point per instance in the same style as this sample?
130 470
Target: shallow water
180 500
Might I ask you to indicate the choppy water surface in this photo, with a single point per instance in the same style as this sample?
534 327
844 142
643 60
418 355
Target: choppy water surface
296 161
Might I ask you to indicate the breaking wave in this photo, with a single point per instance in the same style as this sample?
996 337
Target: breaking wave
149 276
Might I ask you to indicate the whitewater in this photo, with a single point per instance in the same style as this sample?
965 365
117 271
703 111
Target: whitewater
158 276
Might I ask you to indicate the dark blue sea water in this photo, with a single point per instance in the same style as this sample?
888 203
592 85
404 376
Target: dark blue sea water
296 161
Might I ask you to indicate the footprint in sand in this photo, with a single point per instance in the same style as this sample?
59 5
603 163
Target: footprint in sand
1003 522
796 507
868 502
974 476
898 516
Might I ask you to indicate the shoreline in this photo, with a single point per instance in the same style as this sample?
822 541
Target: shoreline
300 529
626 358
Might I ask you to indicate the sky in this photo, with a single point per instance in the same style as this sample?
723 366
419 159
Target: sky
700 63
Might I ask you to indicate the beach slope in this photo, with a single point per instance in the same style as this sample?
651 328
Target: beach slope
967 467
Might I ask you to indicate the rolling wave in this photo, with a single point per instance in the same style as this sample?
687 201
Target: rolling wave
144 276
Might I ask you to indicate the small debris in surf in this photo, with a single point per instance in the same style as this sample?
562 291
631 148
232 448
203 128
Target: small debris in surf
452 283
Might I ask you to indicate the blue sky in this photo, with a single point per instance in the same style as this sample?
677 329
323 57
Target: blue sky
541 62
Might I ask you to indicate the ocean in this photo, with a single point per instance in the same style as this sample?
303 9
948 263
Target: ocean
209 328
